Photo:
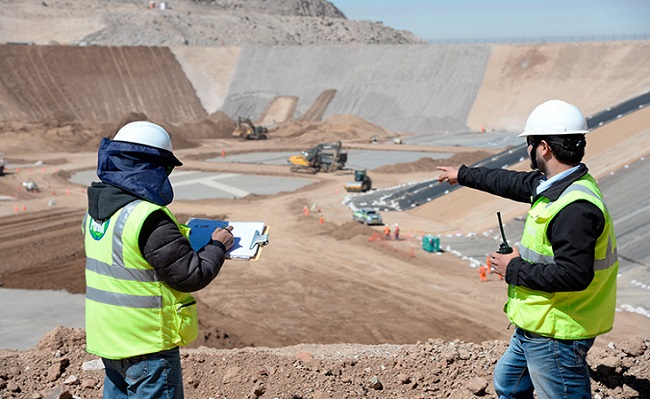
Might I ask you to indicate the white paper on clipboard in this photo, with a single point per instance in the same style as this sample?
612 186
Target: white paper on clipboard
249 237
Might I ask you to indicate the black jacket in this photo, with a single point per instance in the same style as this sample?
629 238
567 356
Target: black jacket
161 242
572 232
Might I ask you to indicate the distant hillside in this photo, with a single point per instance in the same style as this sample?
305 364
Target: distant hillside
189 22
302 8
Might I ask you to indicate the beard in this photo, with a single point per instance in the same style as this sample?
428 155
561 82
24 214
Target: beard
537 162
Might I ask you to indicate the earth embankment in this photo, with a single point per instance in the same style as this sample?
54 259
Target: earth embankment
98 84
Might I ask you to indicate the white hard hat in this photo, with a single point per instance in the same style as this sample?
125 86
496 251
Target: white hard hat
149 134
145 133
555 118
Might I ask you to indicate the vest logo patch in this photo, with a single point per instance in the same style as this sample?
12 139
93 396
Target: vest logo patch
98 229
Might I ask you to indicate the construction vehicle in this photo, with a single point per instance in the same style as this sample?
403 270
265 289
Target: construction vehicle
325 157
31 186
367 216
248 131
361 183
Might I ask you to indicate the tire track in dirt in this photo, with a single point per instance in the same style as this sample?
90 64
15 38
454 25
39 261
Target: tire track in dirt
25 237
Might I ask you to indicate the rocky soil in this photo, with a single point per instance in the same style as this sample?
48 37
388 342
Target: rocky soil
60 368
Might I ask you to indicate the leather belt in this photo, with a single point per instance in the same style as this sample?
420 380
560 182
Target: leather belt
530 334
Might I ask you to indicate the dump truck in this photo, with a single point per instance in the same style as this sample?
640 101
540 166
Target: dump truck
361 183
325 157
247 130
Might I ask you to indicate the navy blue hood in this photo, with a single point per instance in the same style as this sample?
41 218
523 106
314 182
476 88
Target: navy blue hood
137 169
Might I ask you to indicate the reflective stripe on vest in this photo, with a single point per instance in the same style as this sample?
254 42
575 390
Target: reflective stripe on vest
130 301
566 315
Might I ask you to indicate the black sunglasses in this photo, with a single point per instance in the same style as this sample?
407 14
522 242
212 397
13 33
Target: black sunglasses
530 140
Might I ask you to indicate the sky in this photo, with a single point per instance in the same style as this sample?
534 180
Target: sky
466 19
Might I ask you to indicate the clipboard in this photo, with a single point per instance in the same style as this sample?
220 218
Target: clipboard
250 237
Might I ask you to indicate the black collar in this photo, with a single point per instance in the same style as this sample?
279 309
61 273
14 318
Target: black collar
556 189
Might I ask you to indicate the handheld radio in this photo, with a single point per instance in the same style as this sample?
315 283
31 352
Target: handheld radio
504 248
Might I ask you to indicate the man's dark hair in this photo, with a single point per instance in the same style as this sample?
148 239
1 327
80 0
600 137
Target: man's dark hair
568 149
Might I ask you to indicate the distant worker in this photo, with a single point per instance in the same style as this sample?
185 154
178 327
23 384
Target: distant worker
387 232
31 186
140 267
490 270
396 232
562 279
483 272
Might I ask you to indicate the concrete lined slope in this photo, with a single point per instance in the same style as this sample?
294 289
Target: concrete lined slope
414 88
99 84
593 76
210 69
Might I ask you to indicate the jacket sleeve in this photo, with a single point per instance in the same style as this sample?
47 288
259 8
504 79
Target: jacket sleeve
172 257
573 233
517 186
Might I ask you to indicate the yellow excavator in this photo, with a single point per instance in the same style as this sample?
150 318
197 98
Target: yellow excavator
248 131
325 157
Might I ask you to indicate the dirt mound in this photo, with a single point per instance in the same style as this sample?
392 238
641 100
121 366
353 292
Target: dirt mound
217 126
350 230
335 128
59 132
50 135
58 367
429 164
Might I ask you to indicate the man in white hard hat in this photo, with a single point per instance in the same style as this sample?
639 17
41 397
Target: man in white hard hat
140 267
562 279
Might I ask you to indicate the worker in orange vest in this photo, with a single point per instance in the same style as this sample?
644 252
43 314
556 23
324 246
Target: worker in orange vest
483 270
396 232
387 232
489 269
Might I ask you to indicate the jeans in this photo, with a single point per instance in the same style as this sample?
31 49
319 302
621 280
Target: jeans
157 375
553 368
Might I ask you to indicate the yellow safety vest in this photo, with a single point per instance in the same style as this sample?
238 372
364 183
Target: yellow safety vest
566 315
129 312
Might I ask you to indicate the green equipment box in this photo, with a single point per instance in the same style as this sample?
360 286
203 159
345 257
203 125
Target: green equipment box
431 243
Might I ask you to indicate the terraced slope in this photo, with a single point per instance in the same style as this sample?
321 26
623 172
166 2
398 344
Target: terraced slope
99 84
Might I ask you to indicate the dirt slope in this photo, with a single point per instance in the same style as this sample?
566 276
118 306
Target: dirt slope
99 84
593 75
